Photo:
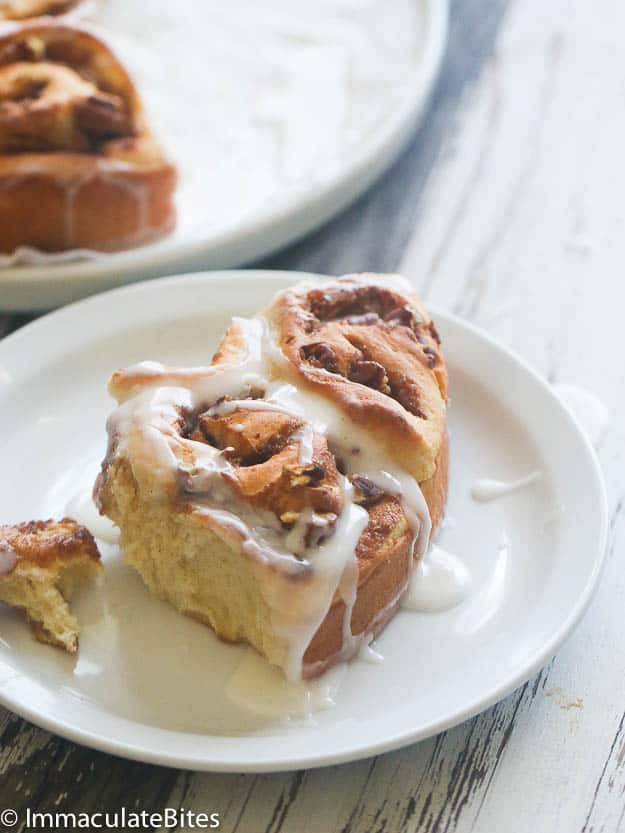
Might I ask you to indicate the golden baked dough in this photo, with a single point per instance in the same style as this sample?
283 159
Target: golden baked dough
79 167
373 349
274 495
41 563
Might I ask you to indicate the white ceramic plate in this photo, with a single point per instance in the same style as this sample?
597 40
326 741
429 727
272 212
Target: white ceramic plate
278 114
150 684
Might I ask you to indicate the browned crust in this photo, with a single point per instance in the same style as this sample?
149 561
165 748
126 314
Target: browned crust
118 197
43 543
381 578
435 489
93 208
329 333
48 555
368 344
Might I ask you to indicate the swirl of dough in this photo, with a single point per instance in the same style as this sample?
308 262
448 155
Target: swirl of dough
79 166
368 345
47 106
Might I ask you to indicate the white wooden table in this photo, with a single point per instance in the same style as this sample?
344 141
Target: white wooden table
507 208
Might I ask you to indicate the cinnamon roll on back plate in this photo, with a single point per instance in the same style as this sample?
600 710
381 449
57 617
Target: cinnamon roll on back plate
284 493
79 167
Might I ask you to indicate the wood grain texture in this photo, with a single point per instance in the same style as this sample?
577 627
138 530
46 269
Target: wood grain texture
506 208
523 234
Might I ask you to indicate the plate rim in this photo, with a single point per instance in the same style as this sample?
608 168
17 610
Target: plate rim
258 236
351 751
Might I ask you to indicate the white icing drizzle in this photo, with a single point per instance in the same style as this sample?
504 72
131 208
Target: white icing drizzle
350 442
8 558
258 687
369 654
139 192
447 523
489 599
71 191
334 562
440 582
590 413
146 427
82 509
486 489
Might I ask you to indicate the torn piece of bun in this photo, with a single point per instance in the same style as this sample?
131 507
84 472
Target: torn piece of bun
41 564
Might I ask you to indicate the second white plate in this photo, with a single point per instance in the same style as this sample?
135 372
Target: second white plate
278 114
151 684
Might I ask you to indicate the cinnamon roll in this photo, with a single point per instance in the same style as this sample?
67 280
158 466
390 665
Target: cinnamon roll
41 563
79 168
284 493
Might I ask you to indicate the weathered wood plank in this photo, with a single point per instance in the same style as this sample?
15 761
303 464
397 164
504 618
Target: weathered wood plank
523 234
45 773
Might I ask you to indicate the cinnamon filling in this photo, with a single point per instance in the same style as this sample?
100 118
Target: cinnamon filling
46 106
368 335
263 452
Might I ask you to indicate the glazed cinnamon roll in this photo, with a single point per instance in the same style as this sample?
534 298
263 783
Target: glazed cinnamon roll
79 168
284 493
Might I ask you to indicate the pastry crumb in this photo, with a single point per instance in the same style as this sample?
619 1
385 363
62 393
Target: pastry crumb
41 564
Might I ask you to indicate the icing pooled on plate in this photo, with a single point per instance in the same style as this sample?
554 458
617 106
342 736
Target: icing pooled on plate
262 689
82 509
485 488
440 582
